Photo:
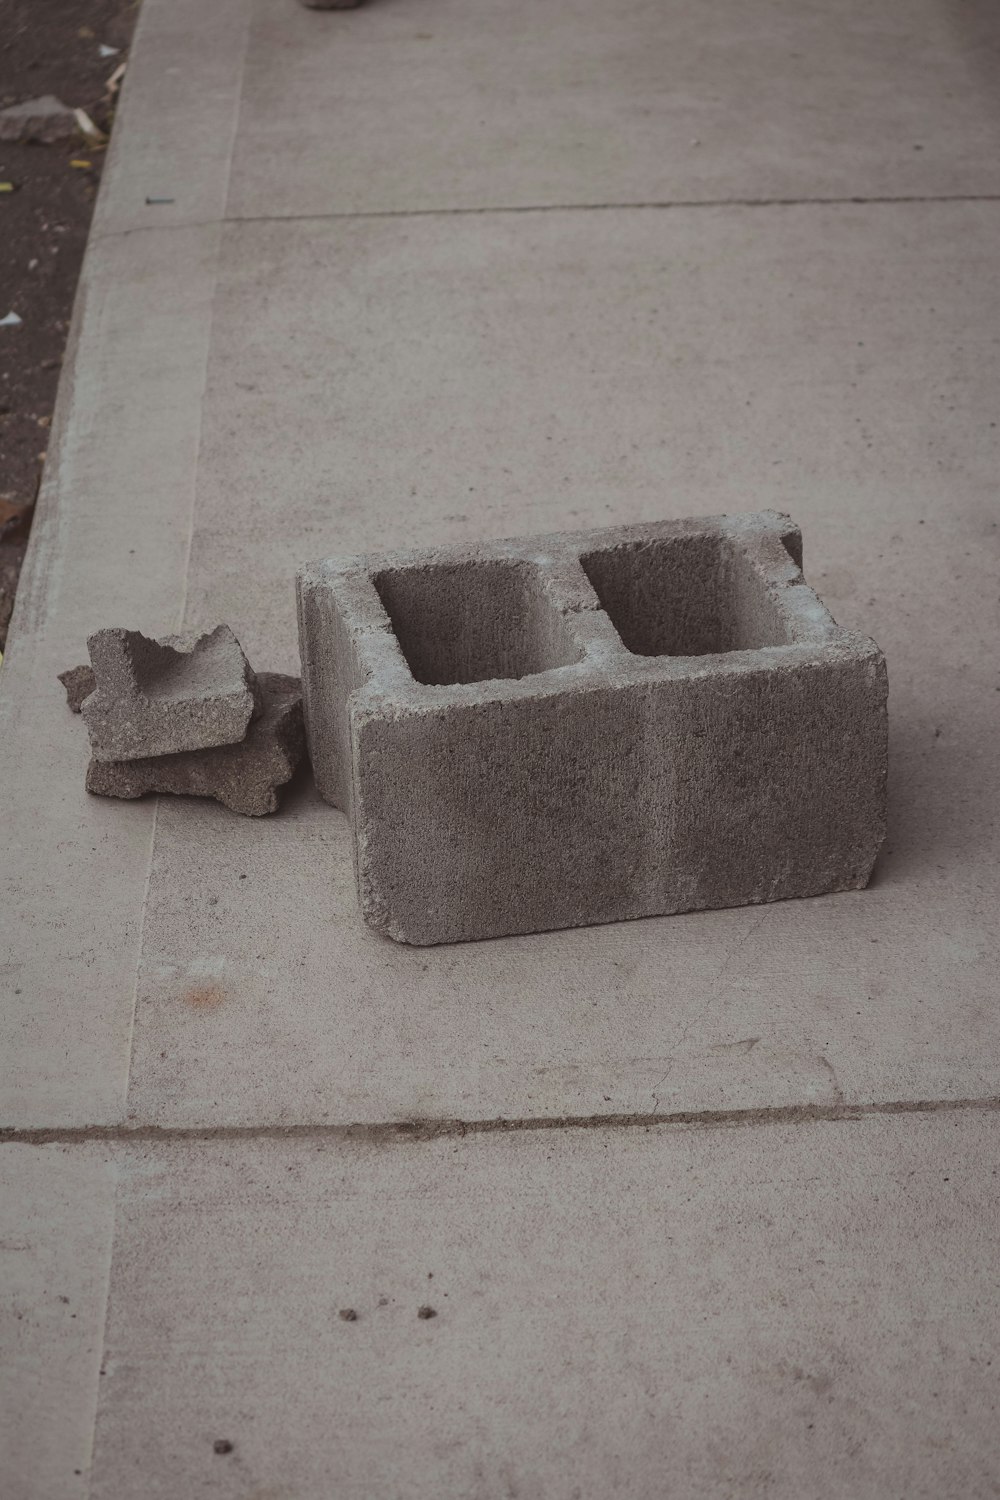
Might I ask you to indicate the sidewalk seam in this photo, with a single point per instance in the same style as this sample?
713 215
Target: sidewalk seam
650 205
433 1129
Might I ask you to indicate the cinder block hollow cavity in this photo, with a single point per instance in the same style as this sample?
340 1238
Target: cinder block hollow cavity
474 621
685 596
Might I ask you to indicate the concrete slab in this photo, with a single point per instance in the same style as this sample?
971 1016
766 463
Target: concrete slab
114 523
416 380
375 384
780 1311
464 104
56 1211
176 125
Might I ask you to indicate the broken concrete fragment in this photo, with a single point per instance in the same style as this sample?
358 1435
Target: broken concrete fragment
591 726
79 683
243 777
46 119
164 697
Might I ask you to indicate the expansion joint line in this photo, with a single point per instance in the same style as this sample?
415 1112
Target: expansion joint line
506 209
435 1129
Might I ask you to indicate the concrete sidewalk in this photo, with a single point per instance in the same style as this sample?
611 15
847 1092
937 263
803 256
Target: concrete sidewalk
706 1205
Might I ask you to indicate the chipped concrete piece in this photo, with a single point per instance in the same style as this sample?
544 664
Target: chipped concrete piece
592 726
45 119
243 777
163 697
79 683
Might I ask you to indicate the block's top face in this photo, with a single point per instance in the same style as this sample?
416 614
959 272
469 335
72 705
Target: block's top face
538 615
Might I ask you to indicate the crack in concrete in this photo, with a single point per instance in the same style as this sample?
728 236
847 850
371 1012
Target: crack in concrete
714 991
458 211
434 1129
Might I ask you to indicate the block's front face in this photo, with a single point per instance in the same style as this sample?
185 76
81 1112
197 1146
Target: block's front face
588 728
620 801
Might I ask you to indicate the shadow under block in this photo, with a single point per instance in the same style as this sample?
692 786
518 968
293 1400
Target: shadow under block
591 726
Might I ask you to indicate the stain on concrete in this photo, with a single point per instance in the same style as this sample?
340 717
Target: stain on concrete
205 996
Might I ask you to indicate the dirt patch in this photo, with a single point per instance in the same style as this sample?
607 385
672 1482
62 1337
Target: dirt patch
53 47
205 997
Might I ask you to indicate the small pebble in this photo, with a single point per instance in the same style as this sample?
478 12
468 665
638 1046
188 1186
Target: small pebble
348 1314
426 1312
222 1445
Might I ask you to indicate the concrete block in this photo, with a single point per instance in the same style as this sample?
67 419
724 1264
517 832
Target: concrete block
162 697
591 726
243 777
79 683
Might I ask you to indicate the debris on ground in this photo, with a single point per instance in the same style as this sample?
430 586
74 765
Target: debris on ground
88 129
79 683
39 121
10 320
189 692
186 715
244 777
15 520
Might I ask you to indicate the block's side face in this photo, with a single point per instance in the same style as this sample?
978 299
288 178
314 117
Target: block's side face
472 619
599 804
334 628
781 773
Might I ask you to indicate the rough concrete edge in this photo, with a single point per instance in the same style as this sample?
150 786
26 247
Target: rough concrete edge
127 105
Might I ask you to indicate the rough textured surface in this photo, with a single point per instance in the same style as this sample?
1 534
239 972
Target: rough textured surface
161 697
243 777
474 104
79 683
797 1311
56 1214
592 726
41 120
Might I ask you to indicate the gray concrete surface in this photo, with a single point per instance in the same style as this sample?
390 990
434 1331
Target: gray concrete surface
392 373
466 106
780 1311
